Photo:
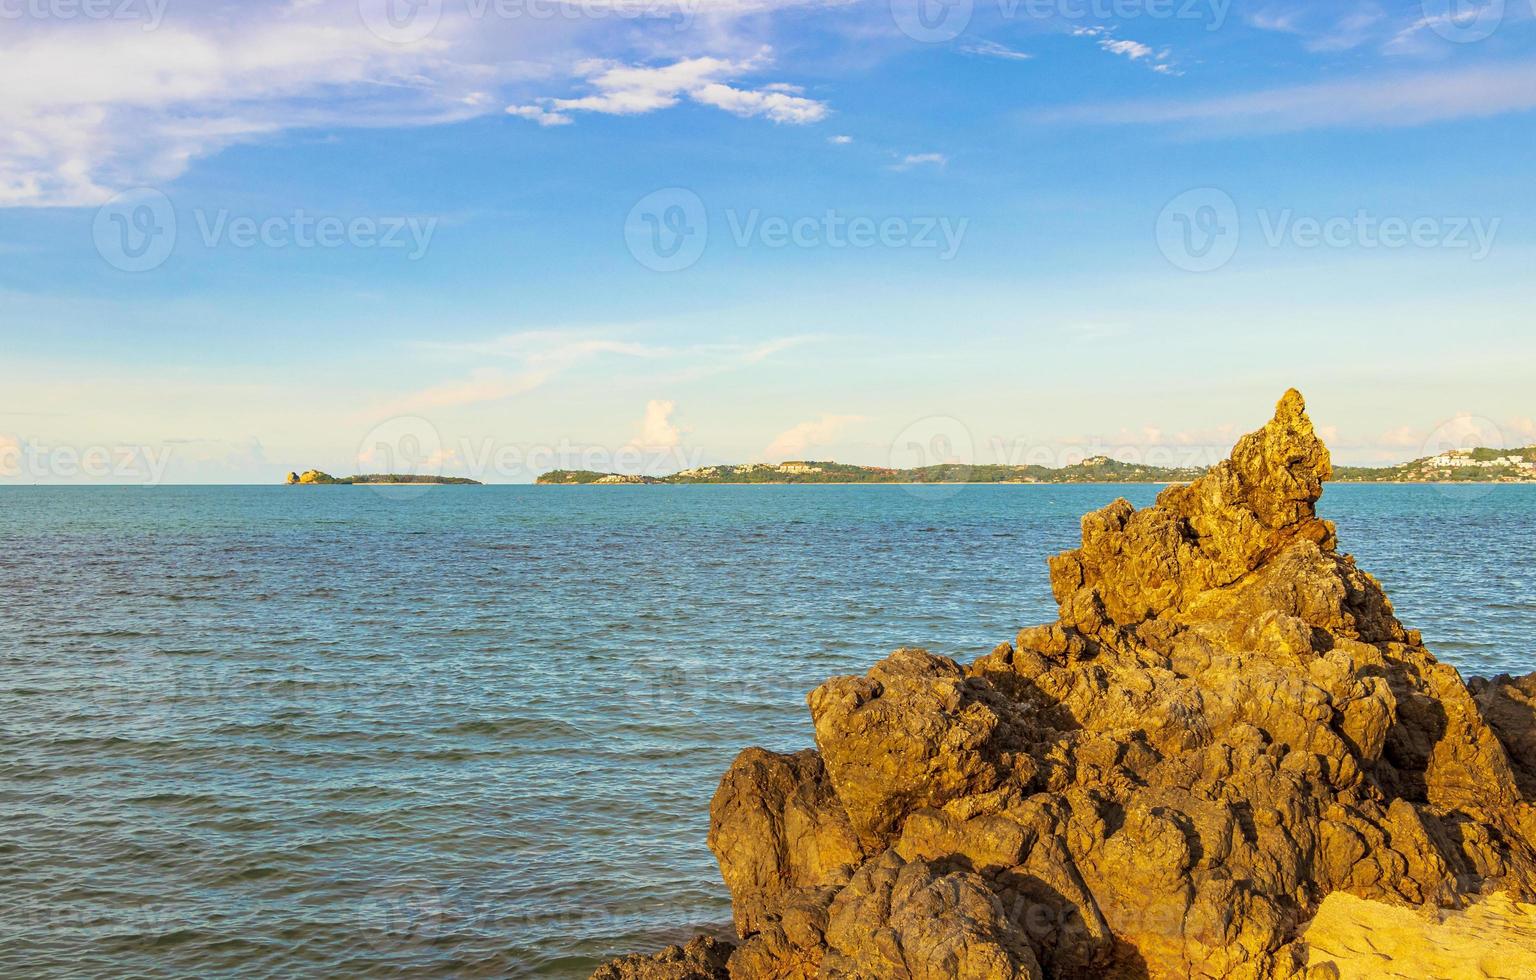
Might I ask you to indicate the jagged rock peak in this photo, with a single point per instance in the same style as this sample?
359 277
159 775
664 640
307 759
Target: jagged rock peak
1135 566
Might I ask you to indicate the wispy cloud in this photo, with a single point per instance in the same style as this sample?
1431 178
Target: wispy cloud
538 357
629 90
515 364
840 140
912 160
994 49
1158 60
1335 26
1388 100
92 107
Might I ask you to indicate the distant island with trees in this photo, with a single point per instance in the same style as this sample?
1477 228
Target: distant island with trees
321 479
1480 465
1453 466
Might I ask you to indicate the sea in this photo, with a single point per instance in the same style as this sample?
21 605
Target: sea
474 731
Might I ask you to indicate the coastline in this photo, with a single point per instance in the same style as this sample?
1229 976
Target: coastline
999 483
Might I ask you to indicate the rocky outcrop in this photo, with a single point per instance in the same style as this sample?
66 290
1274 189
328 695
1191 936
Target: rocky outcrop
1225 725
309 477
703 958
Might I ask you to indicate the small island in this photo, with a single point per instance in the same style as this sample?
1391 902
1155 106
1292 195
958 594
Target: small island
321 479
1480 465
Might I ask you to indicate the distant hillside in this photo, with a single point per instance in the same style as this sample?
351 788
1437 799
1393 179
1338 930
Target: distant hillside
1461 465
1099 469
1453 466
318 478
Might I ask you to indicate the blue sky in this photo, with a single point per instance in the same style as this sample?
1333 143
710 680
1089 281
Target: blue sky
239 239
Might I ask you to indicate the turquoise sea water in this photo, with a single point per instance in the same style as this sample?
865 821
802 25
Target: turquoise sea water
357 731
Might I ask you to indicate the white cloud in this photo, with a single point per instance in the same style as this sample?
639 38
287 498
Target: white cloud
89 108
628 90
777 106
1131 49
992 49
795 441
923 160
1388 100
539 115
1158 61
840 140
657 430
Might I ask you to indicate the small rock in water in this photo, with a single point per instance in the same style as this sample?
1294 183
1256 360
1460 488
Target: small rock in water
703 958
